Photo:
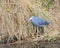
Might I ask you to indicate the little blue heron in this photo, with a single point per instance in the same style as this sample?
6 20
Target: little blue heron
38 23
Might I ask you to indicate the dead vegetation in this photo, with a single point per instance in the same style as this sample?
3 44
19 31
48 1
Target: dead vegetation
14 19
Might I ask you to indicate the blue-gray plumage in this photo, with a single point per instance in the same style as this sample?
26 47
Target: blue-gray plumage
39 23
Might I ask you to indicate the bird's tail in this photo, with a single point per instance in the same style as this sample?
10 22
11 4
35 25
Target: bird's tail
49 22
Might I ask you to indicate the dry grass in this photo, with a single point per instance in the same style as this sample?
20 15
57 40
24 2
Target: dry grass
14 16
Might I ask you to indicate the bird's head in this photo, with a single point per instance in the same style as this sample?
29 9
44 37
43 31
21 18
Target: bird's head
32 17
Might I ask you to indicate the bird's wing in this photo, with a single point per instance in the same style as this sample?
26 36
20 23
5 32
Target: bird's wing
42 22
39 22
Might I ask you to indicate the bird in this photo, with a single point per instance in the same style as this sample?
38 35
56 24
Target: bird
38 23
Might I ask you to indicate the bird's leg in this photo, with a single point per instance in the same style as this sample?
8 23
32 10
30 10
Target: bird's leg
42 29
37 32
36 29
